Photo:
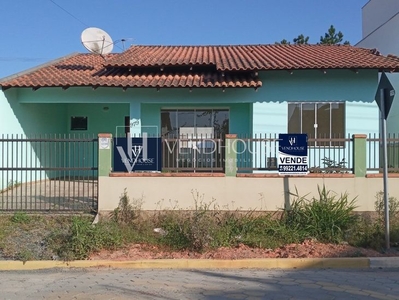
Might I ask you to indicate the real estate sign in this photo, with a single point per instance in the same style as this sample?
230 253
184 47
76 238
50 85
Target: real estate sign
293 154
137 154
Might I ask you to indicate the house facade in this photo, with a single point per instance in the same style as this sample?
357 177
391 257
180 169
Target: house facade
200 91
258 89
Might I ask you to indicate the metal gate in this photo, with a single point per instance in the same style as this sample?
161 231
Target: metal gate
49 173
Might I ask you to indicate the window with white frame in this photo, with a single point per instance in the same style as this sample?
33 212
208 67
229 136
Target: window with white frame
318 120
200 132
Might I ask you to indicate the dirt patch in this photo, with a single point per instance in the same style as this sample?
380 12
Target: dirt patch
307 249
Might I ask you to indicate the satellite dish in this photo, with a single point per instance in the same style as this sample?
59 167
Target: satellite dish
97 40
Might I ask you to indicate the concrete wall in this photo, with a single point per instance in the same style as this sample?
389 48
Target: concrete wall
375 13
380 23
243 193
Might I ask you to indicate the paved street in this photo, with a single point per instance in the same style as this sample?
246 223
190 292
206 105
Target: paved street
199 284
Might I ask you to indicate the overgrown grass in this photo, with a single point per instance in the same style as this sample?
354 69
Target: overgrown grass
370 232
329 217
326 218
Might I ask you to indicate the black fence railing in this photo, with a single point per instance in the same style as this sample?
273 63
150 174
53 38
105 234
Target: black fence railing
48 173
325 155
375 153
259 153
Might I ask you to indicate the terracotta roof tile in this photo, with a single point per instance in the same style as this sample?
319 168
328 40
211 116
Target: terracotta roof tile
255 57
196 66
88 70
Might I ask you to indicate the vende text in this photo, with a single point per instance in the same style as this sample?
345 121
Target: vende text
293 160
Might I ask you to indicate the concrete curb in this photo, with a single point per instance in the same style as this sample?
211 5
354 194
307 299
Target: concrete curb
268 263
384 262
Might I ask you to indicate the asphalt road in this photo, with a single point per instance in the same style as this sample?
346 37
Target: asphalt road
168 284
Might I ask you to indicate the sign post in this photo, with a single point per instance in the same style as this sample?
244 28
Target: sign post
384 98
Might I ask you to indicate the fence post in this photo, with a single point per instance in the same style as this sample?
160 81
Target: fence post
231 155
104 154
359 155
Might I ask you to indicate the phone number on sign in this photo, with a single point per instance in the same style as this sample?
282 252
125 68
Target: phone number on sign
292 168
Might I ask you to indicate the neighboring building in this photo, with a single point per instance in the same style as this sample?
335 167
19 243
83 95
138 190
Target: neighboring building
380 22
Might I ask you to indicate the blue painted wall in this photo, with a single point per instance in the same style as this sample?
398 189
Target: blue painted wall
48 110
356 89
269 109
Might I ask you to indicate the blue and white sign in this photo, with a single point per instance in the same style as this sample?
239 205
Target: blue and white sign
293 154
137 154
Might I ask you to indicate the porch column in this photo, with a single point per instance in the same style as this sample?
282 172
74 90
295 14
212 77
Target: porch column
231 155
359 155
135 118
104 154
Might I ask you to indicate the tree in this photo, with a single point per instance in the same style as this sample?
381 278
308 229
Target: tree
332 38
301 40
283 42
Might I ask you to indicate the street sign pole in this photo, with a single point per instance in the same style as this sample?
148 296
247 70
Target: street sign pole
385 167
384 98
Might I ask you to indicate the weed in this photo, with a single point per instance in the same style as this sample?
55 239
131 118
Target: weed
371 232
82 239
209 227
330 166
126 212
393 205
20 217
11 185
25 255
192 230
326 218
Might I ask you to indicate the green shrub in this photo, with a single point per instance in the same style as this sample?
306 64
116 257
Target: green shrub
370 232
83 238
127 212
265 231
194 230
379 205
326 218
207 227
20 217
367 233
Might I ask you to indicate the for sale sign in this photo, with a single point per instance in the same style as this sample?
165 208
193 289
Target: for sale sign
293 154
137 154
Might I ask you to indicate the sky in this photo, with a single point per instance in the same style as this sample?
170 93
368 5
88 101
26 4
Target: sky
37 31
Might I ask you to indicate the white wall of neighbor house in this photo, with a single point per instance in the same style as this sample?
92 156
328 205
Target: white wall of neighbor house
375 13
235 193
380 23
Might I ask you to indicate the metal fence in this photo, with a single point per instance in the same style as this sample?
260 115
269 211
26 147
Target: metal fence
48 173
374 153
325 155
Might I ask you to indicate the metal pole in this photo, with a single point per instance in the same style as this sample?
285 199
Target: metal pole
385 169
